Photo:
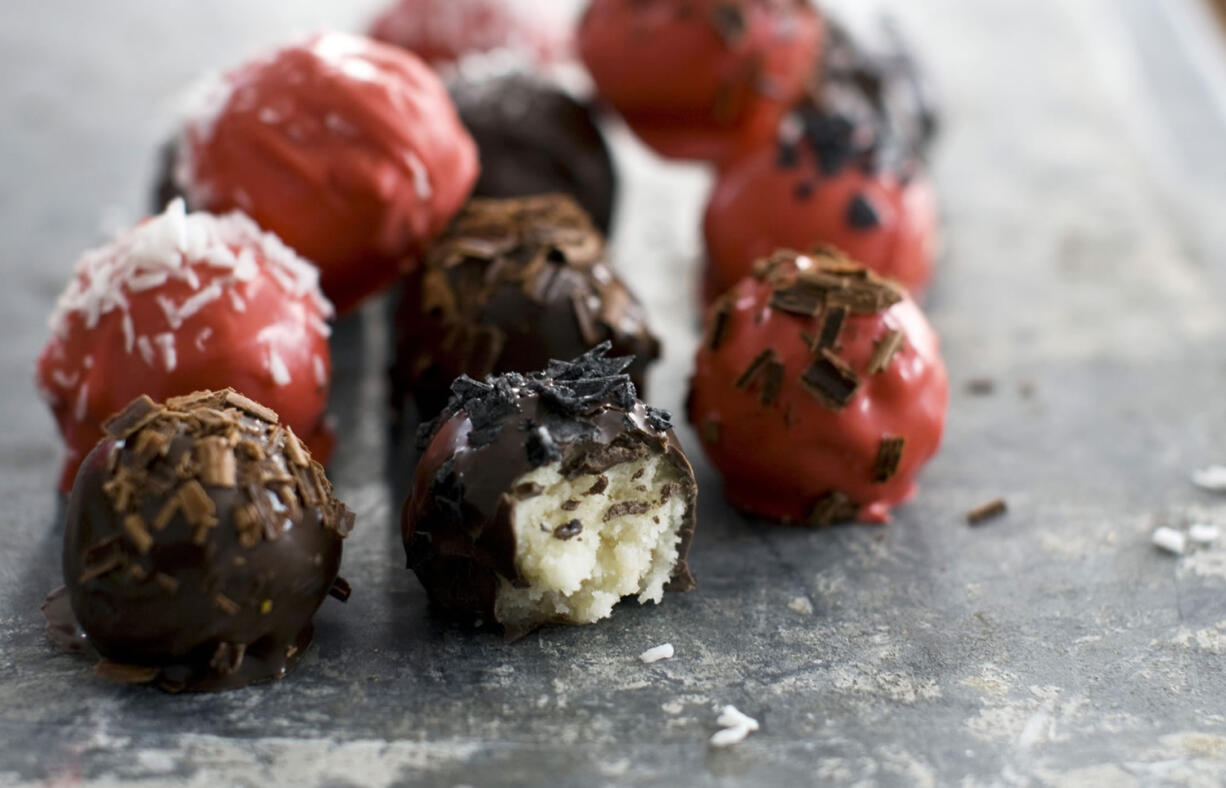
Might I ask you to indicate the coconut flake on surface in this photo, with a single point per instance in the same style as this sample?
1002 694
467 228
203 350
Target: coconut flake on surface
1212 477
278 370
657 653
1171 540
1203 533
736 726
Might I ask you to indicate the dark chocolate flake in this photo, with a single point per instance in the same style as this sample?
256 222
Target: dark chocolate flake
802 297
831 380
568 530
340 589
883 352
600 485
831 328
889 455
988 511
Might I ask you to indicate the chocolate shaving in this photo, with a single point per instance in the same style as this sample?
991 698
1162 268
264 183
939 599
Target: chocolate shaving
832 326
226 604
227 658
218 465
803 297
104 566
883 352
624 508
295 451
831 509
134 528
168 583
889 455
988 511
198 507
251 407
831 380
132 418
721 316
569 530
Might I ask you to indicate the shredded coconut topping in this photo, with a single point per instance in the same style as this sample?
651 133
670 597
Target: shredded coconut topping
657 653
736 726
171 247
1171 540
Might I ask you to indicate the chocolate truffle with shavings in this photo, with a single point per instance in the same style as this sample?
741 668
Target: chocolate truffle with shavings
818 392
547 498
512 284
846 169
534 138
200 540
701 79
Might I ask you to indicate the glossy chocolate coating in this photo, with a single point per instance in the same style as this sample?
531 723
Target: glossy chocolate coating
534 139
512 285
456 523
200 540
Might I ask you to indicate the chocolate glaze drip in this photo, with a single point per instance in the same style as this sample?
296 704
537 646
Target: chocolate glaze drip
513 284
584 414
200 540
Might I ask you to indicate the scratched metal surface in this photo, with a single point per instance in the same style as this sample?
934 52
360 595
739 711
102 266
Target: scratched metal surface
1081 174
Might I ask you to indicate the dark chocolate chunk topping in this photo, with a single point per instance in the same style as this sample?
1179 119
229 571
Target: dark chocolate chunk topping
889 455
831 380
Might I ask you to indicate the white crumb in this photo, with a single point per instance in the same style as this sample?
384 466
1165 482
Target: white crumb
732 717
801 605
736 726
1203 533
657 653
1171 540
1211 478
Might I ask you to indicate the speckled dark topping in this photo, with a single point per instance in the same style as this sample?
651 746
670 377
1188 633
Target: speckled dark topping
200 539
536 139
582 414
512 284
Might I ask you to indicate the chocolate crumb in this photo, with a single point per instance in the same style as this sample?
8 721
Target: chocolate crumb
600 485
980 387
623 508
340 589
889 455
568 530
988 511
638 474
569 505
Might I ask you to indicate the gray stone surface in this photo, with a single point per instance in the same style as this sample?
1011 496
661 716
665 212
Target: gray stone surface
1082 180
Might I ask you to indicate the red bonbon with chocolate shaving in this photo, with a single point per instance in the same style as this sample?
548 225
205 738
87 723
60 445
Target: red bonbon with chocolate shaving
701 79
819 391
183 302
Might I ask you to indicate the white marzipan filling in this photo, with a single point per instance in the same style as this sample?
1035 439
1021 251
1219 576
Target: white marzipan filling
579 579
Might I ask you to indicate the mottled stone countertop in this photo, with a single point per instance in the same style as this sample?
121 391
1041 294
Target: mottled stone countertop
1083 178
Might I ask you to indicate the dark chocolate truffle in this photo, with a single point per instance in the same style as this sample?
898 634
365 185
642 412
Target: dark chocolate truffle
510 286
536 139
201 537
547 498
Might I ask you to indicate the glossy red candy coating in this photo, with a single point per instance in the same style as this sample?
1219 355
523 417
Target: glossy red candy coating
443 32
348 149
779 460
701 79
758 206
